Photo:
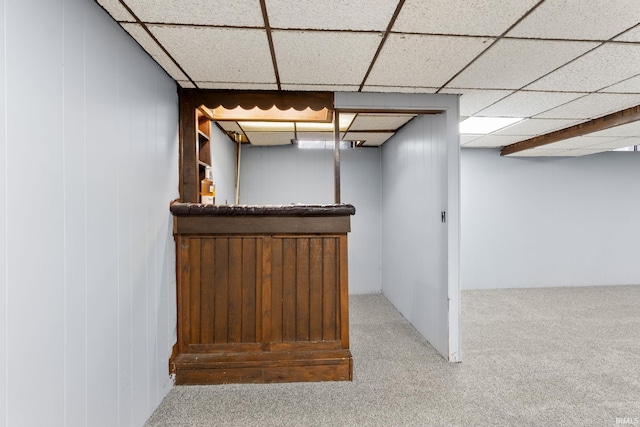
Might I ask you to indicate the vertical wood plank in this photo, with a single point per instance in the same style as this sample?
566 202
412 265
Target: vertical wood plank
221 280
329 294
248 290
289 290
343 289
302 289
276 290
258 273
184 296
267 279
208 260
315 289
235 290
194 291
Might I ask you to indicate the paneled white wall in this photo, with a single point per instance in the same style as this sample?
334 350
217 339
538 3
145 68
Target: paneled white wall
88 148
529 222
286 174
414 242
223 160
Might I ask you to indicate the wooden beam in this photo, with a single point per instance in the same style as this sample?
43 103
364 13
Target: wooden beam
618 118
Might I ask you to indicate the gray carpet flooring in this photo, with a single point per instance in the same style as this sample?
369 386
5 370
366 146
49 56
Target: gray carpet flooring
531 357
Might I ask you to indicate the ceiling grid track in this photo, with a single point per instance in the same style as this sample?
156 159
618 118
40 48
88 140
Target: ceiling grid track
267 27
144 26
492 44
392 21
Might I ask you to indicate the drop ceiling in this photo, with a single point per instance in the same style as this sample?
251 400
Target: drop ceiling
556 63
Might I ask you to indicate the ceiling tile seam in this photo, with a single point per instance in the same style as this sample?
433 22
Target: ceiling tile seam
613 84
549 109
111 15
182 24
392 22
610 40
267 28
157 42
491 45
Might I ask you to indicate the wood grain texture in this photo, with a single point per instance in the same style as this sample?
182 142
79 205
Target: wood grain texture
251 305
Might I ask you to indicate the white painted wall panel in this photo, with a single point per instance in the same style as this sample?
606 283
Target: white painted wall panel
3 226
361 185
530 222
286 174
89 155
35 219
414 242
223 159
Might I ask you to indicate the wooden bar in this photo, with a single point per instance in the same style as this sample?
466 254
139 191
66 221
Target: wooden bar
266 305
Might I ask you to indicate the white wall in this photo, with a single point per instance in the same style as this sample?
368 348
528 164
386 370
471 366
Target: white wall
223 161
88 148
414 255
286 174
529 222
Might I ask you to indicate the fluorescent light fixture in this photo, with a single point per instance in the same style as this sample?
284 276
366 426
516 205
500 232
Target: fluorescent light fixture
485 125
267 126
321 144
344 119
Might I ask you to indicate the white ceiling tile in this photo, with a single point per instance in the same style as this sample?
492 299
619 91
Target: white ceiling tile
536 153
466 138
241 13
512 64
418 60
602 67
117 10
238 85
314 136
399 89
618 143
474 100
630 129
632 35
151 47
579 142
527 104
186 84
576 153
592 106
380 121
322 87
219 54
494 140
577 20
270 138
535 127
631 85
370 138
366 15
466 17
319 57
230 126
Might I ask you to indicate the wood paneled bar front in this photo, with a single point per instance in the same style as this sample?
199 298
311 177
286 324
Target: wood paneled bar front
262 293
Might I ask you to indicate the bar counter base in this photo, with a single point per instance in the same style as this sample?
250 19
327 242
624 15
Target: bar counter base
278 367
262 294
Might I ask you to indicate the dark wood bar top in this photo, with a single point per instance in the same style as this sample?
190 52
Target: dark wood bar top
197 209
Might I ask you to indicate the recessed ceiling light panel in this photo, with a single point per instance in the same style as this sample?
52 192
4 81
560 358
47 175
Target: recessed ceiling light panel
485 125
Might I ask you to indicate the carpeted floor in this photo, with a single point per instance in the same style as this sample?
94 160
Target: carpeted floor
531 357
